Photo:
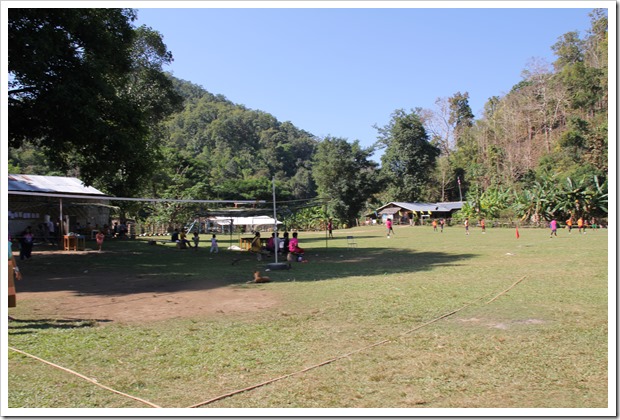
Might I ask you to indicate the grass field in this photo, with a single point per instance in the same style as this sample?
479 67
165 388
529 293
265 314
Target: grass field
421 320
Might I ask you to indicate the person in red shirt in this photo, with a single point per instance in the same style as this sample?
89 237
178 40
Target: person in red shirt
388 225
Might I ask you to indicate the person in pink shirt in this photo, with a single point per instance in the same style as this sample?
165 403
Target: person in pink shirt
100 237
388 225
553 225
293 245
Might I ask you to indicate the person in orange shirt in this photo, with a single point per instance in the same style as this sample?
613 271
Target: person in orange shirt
482 225
434 225
569 224
580 225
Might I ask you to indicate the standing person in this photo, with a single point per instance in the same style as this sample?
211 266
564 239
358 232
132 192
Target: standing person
51 228
482 225
286 241
100 237
569 224
196 239
26 242
580 225
434 225
553 225
388 225
271 243
256 247
122 230
466 223
442 222
14 274
214 248
330 227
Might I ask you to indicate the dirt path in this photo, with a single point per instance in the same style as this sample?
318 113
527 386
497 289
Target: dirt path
117 297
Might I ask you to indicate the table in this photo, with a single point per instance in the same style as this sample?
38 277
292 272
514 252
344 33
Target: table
246 243
74 242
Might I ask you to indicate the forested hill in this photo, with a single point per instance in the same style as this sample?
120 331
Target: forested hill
233 152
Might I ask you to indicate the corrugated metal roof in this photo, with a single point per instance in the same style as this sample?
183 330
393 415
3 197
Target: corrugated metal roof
426 207
451 205
390 210
50 184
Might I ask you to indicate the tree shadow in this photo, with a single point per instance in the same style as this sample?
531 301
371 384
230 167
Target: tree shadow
134 267
378 261
28 326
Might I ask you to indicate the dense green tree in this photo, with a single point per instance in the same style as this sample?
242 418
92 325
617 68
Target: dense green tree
345 176
85 88
409 157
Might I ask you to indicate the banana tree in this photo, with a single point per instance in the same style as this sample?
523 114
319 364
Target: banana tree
535 203
586 197
493 201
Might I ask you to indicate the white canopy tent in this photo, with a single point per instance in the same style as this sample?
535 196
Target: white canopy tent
251 223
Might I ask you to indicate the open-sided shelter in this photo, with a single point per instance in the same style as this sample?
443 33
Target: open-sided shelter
251 223
37 199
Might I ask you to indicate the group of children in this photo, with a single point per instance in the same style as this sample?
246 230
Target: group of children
582 224
214 247
181 238
290 246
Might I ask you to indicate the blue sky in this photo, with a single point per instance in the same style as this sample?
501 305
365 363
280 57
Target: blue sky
340 71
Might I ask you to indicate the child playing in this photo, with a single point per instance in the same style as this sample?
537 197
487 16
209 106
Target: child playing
214 248
100 237
388 225
196 239
553 225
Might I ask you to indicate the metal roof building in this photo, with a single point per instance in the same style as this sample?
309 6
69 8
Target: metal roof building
49 184
428 208
37 199
402 212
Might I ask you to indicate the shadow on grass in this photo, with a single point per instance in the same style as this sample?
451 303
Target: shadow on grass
130 267
27 326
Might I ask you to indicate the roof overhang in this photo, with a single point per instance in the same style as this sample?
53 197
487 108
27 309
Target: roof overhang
390 210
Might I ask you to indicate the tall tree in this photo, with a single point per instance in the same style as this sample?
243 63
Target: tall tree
409 157
71 75
345 176
461 116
